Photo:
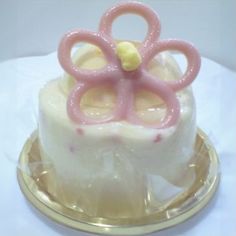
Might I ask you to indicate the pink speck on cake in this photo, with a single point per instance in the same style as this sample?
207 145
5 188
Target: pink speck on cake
158 138
80 131
116 139
72 149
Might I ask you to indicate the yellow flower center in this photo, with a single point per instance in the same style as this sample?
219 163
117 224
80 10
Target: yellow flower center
128 55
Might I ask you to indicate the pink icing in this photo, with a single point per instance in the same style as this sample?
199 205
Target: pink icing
154 26
106 45
126 83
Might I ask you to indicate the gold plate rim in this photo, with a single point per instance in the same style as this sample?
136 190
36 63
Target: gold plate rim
127 229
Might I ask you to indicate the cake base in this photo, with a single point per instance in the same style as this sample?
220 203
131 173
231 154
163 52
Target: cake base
31 177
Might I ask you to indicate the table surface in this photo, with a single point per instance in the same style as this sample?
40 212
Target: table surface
214 90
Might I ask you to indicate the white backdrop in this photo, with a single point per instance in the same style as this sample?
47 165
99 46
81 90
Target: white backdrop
34 27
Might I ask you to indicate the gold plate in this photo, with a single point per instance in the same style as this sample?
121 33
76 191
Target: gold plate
192 201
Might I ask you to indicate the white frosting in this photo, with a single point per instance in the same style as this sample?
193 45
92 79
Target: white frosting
115 169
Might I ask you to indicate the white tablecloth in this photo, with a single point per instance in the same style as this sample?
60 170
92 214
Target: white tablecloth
20 80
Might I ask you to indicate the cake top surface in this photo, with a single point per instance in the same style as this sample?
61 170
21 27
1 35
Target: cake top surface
126 69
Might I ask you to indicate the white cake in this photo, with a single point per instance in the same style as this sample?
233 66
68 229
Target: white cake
116 169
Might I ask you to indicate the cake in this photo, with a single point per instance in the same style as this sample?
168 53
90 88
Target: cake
119 127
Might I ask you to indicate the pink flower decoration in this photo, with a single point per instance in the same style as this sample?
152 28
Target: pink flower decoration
126 83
